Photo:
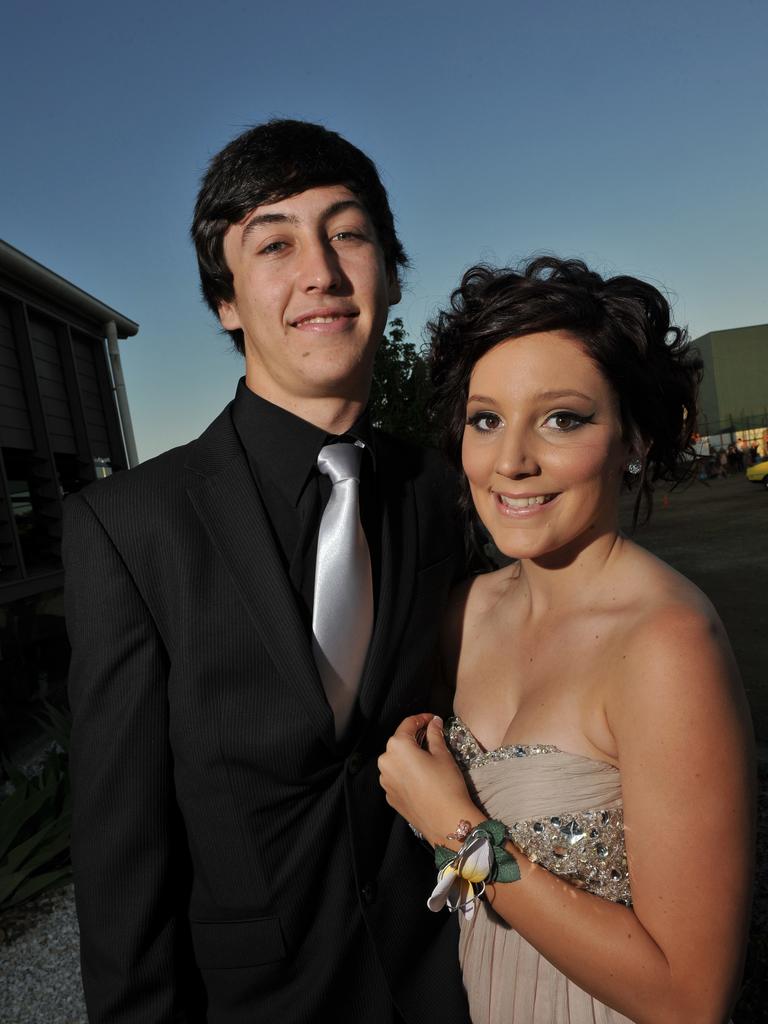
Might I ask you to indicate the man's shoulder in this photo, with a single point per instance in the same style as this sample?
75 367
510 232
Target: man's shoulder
437 491
414 460
163 478
159 474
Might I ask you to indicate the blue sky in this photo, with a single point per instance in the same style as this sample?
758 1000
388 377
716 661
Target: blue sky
632 134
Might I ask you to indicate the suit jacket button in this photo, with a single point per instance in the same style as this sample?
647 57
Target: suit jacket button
355 763
368 893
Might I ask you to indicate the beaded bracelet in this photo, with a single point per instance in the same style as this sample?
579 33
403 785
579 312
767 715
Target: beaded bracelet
462 875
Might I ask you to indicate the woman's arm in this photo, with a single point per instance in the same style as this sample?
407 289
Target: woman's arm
684 740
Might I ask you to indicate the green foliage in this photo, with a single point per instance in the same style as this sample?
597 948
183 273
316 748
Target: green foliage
35 821
401 388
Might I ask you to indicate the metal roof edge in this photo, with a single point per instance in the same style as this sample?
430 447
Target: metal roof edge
17 264
729 330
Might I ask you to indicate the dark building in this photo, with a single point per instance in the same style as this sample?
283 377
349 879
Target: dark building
64 422
734 392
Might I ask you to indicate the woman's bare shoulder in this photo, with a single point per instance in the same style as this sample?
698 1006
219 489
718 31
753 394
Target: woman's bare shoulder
656 591
487 589
470 601
675 648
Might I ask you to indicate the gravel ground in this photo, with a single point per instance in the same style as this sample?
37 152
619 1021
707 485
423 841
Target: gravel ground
39 962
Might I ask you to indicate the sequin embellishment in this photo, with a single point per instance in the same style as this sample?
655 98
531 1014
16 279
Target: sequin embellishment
584 848
469 754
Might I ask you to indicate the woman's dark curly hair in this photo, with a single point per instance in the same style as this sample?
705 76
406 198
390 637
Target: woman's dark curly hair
623 323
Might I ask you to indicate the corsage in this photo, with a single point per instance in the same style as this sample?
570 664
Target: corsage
462 875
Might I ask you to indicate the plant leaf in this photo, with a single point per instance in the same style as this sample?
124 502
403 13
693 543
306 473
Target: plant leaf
18 811
39 884
17 855
48 855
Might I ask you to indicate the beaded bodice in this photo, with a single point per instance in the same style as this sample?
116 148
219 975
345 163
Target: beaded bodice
584 847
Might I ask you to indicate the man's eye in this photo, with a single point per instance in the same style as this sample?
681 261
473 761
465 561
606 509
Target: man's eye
344 236
566 421
272 247
484 422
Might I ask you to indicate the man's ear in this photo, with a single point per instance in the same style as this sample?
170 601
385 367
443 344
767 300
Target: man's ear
229 316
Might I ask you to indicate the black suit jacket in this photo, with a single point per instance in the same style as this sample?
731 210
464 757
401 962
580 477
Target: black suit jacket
233 863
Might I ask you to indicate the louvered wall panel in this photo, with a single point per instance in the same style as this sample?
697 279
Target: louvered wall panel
95 418
53 391
15 427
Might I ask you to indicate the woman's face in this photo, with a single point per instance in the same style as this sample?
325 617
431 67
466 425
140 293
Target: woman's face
542 448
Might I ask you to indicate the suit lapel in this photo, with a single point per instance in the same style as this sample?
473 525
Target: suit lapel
228 504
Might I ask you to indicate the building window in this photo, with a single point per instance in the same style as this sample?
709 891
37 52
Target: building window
34 509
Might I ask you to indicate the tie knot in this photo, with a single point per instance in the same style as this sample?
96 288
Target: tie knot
340 461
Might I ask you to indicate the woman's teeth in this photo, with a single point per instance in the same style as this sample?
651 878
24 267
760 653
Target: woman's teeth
539 499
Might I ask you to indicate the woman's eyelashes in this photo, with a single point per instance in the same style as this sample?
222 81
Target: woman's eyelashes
563 421
484 422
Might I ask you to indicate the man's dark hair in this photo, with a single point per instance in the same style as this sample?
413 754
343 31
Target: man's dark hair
622 322
270 162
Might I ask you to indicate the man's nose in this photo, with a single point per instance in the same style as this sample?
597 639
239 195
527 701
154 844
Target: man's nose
319 269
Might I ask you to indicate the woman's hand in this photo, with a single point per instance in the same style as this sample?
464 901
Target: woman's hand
423 782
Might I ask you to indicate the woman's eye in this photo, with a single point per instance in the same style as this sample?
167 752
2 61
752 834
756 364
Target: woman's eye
565 421
484 422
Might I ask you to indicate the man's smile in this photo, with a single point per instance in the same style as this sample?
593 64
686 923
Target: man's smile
325 319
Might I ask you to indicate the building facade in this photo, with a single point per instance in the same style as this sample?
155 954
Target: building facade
60 428
733 402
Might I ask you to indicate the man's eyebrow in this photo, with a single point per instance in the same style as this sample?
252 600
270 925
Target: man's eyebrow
266 218
341 205
259 219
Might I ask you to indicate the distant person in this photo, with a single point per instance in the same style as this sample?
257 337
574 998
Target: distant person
722 463
233 681
596 778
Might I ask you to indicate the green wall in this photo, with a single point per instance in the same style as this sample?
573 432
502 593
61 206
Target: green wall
735 380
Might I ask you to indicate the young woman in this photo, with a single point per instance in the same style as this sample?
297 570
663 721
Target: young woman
600 722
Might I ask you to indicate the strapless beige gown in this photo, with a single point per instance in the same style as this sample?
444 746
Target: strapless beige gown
565 812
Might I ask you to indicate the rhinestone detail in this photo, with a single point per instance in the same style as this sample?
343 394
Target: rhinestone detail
585 849
469 754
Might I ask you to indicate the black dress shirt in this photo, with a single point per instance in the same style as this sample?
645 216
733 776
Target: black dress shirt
282 451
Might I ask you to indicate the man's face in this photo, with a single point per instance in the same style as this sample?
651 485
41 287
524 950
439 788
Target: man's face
311 296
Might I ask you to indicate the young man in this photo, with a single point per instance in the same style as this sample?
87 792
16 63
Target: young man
232 684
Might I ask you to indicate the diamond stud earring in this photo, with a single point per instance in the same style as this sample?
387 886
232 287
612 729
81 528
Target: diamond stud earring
634 467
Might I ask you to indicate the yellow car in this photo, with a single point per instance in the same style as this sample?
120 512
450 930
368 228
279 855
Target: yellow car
758 473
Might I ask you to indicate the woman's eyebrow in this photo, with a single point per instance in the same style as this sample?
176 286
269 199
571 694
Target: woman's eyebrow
567 393
555 393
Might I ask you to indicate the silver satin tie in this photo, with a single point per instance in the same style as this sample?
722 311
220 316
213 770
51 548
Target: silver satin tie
342 611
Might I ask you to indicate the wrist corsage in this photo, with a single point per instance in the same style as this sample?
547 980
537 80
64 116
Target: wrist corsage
462 875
